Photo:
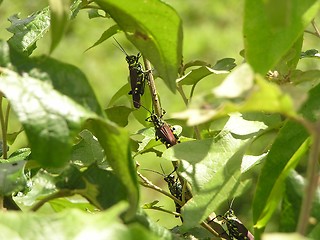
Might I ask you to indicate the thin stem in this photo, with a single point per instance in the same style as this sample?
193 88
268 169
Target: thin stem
165 210
311 180
147 183
59 194
210 229
313 22
183 95
2 208
152 86
3 129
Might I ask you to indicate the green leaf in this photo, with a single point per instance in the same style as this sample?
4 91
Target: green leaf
42 185
105 35
280 160
274 30
241 91
61 204
311 76
278 175
290 209
49 118
65 78
12 178
115 142
194 76
28 31
20 154
87 150
311 53
123 91
103 187
59 16
4 54
71 224
119 115
140 21
213 169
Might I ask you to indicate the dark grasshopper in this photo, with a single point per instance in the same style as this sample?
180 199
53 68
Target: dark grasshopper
174 186
137 76
163 131
235 228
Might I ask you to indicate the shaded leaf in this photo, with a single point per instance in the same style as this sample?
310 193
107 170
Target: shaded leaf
12 178
115 142
87 150
119 115
59 16
142 28
4 54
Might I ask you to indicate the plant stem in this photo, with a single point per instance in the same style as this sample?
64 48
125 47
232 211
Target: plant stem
2 208
210 229
313 22
311 180
3 128
165 210
147 183
152 87
59 194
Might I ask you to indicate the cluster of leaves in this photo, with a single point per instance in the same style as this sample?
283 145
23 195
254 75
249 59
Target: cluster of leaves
79 161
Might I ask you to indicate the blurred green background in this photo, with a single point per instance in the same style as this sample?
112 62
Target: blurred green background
212 30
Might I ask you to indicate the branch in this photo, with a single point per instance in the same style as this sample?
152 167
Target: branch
311 180
147 183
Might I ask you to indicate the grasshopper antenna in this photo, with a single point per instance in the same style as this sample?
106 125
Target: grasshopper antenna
144 108
163 175
119 46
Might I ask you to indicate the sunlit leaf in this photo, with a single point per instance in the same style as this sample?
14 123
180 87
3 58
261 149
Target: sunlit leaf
49 118
213 169
29 30
274 29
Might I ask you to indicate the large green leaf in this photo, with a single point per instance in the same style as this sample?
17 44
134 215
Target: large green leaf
154 28
49 118
213 169
70 224
65 78
269 31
